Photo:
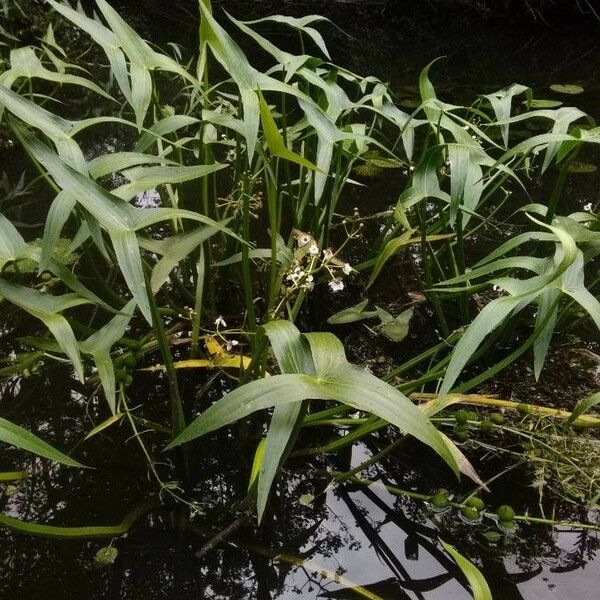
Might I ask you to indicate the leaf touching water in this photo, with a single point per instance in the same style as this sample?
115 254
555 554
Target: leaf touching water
21 438
479 586
334 379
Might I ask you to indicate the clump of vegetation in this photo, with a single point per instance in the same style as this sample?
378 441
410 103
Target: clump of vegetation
234 185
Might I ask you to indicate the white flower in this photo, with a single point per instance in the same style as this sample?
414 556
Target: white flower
231 344
336 285
220 322
327 254
347 269
313 249
588 207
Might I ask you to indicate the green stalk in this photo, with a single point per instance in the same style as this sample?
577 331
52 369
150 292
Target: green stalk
559 186
433 298
177 416
272 206
197 317
246 267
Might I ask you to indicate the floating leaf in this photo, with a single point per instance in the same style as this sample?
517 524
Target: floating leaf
106 556
396 328
541 103
581 167
306 499
567 88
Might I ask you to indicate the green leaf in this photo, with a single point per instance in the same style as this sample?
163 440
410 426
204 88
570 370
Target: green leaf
502 103
301 24
274 139
147 178
479 586
581 167
46 308
106 556
12 243
89 531
542 103
25 63
290 347
162 128
583 406
335 379
119 161
246 77
259 456
21 438
396 328
394 246
567 88
117 217
292 353
174 249
98 345
56 128
486 321
289 63
352 314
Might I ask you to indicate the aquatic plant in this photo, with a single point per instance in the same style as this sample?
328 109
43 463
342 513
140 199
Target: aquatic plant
230 181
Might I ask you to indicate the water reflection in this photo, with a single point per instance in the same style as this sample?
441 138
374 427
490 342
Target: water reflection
349 536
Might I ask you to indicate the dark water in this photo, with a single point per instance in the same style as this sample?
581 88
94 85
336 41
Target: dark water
386 544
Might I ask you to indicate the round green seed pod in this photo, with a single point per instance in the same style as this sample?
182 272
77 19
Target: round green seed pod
128 380
470 513
523 408
497 419
120 374
505 513
472 415
129 361
440 499
475 502
486 426
461 417
462 435
46 276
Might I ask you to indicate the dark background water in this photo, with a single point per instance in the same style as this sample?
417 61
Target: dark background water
373 538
